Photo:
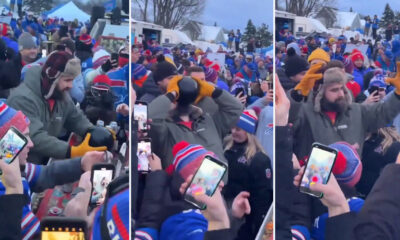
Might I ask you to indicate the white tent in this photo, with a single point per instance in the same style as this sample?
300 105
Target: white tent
347 20
175 37
211 34
69 12
309 25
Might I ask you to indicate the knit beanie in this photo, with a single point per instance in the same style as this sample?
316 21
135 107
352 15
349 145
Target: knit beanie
58 64
378 80
248 122
26 41
85 39
355 55
348 66
294 64
211 74
9 117
187 158
331 76
139 74
102 82
348 166
84 43
162 70
100 57
320 54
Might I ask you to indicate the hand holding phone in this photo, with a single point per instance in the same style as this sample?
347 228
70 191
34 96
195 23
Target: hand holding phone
205 181
102 175
318 169
11 145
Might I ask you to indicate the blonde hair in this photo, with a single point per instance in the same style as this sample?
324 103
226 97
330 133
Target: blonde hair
389 135
253 146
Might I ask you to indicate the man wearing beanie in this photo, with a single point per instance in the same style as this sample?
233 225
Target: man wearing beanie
188 122
28 48
295 69
43 98
158 81
37 178
331 116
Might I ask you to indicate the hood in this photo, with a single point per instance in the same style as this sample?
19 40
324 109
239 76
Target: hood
32 79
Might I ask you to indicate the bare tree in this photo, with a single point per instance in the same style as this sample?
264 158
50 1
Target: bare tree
172 13
303 7
143 6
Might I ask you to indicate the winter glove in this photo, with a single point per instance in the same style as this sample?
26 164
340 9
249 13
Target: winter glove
107 66
308 81
396 80
173 85
80 150
206 89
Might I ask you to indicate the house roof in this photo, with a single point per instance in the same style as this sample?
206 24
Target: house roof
209 33
345 19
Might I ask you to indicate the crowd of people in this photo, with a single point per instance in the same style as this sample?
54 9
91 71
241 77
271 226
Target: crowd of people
345 94
70 100
199 106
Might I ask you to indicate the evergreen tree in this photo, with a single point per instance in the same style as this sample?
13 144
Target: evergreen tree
250 31
38 6
388 17
264 35
351 9
397 18
215 24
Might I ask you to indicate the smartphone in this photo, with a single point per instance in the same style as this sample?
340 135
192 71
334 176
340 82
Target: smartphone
11 145
373 89
140 113
318 169
143 150
205 180
102 175
62 228
239 90
114 56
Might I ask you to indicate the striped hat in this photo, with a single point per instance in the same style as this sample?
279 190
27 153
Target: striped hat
348 166
248 122
102 82
100 57
10 117
86 39
211 74
187 158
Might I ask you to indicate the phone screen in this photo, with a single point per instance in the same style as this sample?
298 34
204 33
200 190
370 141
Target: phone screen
318 169
101 178
205 181
140 115
143 150
11 145
63 233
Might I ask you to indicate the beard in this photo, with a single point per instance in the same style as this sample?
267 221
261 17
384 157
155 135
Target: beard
58 94
339 105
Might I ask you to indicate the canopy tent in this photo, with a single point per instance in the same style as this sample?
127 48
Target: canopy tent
69 12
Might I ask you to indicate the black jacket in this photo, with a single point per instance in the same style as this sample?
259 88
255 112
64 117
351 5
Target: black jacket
284 182
255 178
374 160
379 217
11 216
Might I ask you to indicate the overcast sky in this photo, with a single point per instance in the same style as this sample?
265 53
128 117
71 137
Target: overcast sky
234 14
370 7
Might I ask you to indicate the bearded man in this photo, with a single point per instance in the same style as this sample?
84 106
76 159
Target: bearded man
43 97
328 115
